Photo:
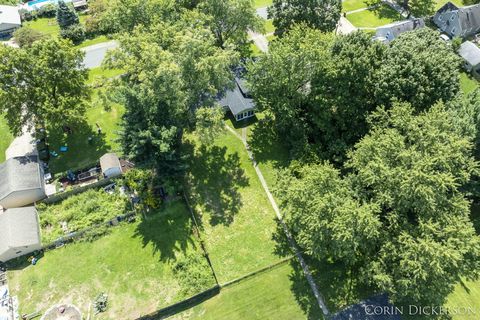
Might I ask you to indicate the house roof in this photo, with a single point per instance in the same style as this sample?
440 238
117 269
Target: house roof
19 228
23 145
18 174
236 99
397 28
470 53
109 160
9 15
364 310
468 17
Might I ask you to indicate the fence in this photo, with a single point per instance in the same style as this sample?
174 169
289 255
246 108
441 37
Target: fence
63 195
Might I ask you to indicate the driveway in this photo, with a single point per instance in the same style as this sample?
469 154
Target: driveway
95 54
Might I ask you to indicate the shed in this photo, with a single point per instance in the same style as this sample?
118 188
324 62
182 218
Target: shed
21 182
391 31
9 20
471 56
239 101
110 165
19 232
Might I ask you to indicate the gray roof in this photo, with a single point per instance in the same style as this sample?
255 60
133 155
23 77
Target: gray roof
470 18
364 310
470 53
396 28
109 160
20 173
19 228
237 101
467 19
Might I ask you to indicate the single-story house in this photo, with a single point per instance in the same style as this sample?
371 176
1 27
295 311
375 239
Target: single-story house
9 20
19 232
471 56
21 146
391 31
458 21
21 182
110 164
239 101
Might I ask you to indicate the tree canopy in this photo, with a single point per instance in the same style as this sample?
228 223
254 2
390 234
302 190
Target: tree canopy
66 15
44 84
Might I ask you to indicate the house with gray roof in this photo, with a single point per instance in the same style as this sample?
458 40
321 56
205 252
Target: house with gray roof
21 182
9 20
391 31
19 232
458 21
471 57
239 101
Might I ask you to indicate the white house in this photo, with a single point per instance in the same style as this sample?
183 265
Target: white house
9 20
21 182
471 57
110 165
19 232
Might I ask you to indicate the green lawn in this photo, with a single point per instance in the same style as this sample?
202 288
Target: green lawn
99 73
236 217
373 18
262 3
269 28
265 296
133 265
350 5
467 83
466 294
7 138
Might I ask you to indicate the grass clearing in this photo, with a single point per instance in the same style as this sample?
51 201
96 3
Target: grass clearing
262 3
269 28
133 265
466 294
7 137
99 73
468 83
350 5
235 215
372 18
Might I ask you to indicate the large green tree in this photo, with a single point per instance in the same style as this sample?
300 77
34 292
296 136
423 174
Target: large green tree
319 14
231 19
400 213
43 85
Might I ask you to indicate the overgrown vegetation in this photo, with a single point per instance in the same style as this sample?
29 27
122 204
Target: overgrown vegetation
193 273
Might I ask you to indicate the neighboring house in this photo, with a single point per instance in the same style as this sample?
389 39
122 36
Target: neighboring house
80 4
110 165
21 182
239 100
458 22
9 20
21 146
19 232
391 31
471 56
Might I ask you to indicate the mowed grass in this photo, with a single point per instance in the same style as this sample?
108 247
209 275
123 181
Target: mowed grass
133 265
372 18
468 83
262 3
6 137
235 215
465 295
350 5
267 295
269 28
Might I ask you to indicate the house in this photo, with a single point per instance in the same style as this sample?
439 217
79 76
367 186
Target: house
238 100
458 22
19 232
471 55
21 182
110 165
9 20
391 31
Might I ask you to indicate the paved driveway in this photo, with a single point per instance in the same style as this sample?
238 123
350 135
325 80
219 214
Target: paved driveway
95 54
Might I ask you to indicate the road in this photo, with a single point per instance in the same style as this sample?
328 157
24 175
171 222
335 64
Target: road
94 54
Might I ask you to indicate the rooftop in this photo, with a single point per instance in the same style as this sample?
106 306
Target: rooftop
470 53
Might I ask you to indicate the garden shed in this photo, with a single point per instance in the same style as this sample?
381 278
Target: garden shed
110 164
21 182
471 57
19 232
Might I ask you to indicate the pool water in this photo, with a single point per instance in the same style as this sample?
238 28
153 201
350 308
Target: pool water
36 2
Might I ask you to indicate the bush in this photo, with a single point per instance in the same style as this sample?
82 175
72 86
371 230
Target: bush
76 33
26 36
26 15
48 11
193 273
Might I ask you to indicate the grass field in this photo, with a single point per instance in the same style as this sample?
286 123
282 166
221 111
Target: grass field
467 83
350 5
372 18
7 137
466 294
133 265
236 217
262 3
268 295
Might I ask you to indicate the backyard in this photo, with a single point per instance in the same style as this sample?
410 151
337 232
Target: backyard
374 17
350 5
134 265
7 137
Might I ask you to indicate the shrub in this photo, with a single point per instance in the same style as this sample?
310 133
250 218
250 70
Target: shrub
26 15
26 36
47 11
76 33
193 273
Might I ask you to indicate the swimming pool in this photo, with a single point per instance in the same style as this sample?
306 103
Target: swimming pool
39 3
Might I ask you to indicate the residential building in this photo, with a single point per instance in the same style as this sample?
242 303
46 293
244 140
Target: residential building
458 21
9 20
391 31
110 165
239 101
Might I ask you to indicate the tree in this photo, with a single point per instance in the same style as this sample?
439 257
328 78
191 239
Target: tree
209 123
42 85
66 15
418 68
75 32
231 19
319 14
26 36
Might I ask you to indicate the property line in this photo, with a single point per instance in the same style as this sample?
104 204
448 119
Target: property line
296 250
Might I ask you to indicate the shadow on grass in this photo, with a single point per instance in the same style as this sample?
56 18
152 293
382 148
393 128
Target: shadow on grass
169 230
242 123
384 11
82 151
215 178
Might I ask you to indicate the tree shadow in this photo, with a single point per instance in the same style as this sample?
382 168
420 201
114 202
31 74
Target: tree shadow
215 177
383 10
169 231
85 145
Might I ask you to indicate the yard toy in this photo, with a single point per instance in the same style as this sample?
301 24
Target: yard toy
64 148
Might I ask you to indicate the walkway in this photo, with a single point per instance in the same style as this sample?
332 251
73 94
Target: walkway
344 26
291 241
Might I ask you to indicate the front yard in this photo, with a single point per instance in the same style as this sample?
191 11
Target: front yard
133 265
